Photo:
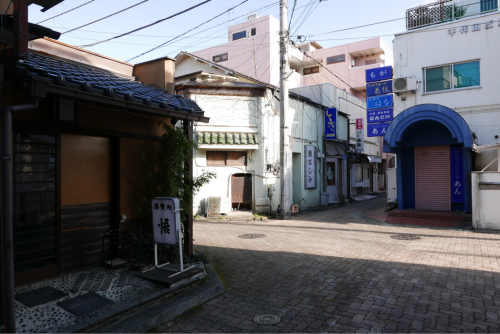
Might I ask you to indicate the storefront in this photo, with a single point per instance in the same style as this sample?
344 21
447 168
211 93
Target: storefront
433 145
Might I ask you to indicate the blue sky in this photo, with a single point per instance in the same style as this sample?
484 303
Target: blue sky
328 15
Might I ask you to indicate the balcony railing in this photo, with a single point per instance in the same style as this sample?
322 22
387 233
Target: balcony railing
446 11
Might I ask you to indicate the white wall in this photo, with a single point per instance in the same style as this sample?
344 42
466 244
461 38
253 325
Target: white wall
485 208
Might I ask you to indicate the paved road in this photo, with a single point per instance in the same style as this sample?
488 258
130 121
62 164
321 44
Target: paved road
330 271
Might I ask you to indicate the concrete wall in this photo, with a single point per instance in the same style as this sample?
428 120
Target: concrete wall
485 208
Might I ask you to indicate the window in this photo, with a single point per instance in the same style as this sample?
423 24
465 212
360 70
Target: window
452 76
488 5
359 173
219 58
226 158
311 70
239 35
253 32
335 59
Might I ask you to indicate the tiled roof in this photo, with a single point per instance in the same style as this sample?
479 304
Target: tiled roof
100 82
227 138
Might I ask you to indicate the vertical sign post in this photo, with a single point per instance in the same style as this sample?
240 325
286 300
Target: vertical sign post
380 102
310 162
360 135
167 228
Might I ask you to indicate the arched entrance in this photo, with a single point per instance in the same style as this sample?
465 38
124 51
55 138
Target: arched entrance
433 147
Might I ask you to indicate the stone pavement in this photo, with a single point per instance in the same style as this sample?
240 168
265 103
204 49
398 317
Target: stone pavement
332 271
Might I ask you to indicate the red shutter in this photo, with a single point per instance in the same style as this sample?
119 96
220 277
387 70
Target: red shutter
432 178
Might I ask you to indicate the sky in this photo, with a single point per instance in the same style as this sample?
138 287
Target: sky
324 16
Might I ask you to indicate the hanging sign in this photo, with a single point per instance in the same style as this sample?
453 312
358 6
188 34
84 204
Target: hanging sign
360 135
377 129
457 179
166 220
310 163
380 115
331 123
379 88
377 102
378 74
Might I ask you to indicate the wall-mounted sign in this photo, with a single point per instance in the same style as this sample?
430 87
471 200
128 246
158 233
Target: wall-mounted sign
377 129
379 88
457 177
473 27
360 135
310 165
378 74
331 123
380 115
166 220
377 102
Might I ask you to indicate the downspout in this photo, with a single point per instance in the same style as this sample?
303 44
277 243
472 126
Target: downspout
7 228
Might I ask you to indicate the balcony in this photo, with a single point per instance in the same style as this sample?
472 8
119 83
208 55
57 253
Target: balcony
446 11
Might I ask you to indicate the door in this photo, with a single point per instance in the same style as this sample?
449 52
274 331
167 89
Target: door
241 191
297 184
332 179
35 207
432 178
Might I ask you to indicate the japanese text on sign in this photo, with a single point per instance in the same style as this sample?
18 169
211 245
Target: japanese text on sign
457 183
378 74
379 88
360 135
380 115
377 129
166 219
310 167
330 123
377 102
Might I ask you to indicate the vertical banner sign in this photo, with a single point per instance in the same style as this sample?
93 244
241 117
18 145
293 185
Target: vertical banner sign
166 220
331 123
310 165
457 179
360 135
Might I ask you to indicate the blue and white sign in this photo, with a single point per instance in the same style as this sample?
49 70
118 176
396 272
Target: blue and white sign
377 102
379 88
377 129
379 74
380 115
331 123
457 177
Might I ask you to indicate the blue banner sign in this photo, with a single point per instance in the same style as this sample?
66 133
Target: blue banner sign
378 74
380 115
377 102
377 129
457 175
331 123
379 88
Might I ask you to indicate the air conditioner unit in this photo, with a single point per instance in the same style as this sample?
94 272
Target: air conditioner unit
405 84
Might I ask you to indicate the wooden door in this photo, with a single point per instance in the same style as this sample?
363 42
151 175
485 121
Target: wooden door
241 189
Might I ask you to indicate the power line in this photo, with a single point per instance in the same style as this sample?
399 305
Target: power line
53 17
366 25
137 4
213 18
293 10
151 24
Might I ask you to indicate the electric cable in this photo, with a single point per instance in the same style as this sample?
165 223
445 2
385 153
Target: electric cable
53 17
293 10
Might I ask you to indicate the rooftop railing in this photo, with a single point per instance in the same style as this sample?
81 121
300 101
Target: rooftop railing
446 11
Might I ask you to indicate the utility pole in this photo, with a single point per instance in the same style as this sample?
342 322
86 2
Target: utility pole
286 155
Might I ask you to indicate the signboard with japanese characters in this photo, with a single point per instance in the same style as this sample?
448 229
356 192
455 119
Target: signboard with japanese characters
457 177
377 102
380 115
310 167
377 129
331 123
166 220
360 135
379 88
378 74
464 30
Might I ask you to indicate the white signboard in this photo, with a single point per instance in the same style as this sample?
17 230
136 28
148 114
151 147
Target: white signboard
166 220
310 162
360 135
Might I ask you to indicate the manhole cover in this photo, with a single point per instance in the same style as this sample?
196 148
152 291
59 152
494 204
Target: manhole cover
251 236
267 319
405 237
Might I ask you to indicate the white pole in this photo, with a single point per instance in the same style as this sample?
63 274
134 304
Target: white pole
285 156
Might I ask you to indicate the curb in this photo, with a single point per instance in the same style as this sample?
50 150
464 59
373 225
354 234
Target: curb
140 320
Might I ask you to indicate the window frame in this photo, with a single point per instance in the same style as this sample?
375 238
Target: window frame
226 154
307 68
221 58
335 59
253 31
244 35
452 76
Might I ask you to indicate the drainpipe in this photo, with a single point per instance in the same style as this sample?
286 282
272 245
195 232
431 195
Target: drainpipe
7 228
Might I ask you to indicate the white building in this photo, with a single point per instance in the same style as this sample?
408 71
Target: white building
450 53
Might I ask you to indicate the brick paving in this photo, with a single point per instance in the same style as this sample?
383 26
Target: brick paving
332 271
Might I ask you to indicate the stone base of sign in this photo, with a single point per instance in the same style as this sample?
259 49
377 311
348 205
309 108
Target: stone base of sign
164 275
157 308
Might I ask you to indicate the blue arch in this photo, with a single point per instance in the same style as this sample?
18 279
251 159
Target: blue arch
457 126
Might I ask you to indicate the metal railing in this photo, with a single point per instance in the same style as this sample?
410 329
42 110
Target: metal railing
446 11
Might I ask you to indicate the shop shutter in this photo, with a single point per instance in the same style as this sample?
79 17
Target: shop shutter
432 178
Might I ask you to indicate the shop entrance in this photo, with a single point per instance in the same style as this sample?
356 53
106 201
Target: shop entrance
241 191
332 178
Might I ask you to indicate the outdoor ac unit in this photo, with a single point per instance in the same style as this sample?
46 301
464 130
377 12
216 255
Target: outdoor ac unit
405 84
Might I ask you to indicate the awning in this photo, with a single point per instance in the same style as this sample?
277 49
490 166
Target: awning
374 159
